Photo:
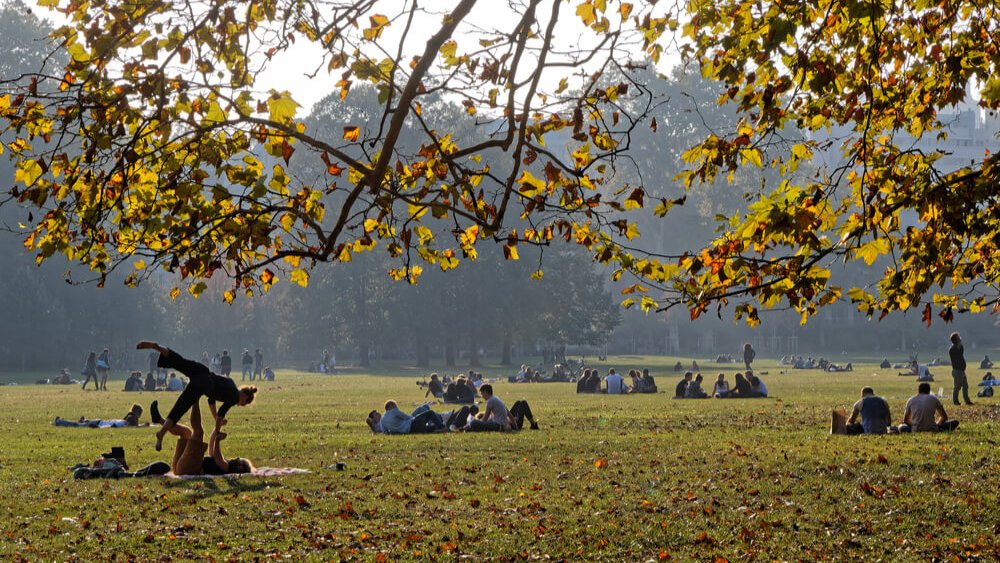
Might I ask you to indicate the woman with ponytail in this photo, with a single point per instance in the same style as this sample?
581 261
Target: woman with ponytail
201 383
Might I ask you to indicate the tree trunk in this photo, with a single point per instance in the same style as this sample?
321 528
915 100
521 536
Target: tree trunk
473 350
507 344
449 353
423 355
363 354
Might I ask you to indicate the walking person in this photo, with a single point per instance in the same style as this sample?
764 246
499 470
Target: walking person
103 368
748 355
90 370
201 382
957 353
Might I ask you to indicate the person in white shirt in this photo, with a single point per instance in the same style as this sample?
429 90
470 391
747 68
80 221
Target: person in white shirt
721 387
614 383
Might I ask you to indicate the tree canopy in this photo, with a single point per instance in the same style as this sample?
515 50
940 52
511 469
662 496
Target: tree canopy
157 146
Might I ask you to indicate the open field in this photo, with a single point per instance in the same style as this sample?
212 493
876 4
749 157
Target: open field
619 478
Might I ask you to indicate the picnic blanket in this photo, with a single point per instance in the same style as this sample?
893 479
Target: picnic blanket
257 472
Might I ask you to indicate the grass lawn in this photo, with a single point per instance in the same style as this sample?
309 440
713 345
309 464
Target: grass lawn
619 478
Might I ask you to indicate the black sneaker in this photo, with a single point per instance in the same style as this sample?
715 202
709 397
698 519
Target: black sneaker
154 413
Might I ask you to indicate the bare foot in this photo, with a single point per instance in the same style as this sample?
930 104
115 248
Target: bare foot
145 344
159 441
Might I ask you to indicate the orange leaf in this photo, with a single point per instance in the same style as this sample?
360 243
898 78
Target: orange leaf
601 463
351 133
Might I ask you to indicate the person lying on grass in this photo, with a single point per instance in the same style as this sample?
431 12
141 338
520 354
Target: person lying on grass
201 382
394 421
130 419
189 453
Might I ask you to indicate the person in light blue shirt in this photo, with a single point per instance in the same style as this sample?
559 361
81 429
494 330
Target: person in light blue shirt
394 421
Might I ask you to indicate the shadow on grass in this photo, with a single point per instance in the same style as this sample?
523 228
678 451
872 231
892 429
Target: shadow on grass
210 486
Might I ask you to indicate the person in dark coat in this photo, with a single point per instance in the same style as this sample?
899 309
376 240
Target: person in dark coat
201 382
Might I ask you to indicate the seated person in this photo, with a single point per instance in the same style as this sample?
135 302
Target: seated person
694 390
925 413
721 388
633 375
64 377
694 365
130 419
586 384
434 387
986 363
459 392
678 366
757 385
268 374
394 421
174 383
912 368
742 388
987 385
150 383
134 381
495 416
924 374
874 413
614 384
648 383
885 364
681 390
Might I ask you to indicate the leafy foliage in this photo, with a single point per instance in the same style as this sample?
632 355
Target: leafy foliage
155 147
606 478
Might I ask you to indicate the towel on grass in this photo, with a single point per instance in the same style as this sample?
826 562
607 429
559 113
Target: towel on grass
257 472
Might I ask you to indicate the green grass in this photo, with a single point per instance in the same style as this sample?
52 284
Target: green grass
686 480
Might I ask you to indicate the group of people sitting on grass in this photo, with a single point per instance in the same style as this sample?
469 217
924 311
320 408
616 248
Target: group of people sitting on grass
615 384
171 382
871 415
798 362
461 390
745 386
495 417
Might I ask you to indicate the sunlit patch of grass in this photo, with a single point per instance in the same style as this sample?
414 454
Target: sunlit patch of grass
613 478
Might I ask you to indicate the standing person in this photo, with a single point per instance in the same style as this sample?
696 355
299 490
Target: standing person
103 367
957 353
216 364
152 363
226 363
874 413
247 363
201 382
258 364
90 370
748 355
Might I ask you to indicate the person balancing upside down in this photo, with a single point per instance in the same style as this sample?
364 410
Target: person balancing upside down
202 382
